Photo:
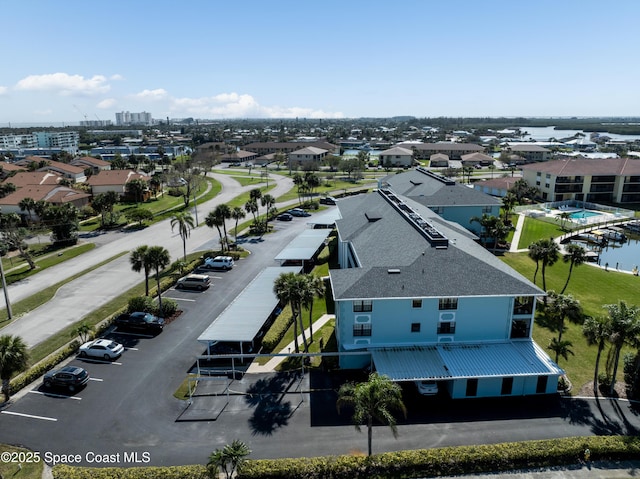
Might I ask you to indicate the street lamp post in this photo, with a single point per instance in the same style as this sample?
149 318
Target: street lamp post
6 293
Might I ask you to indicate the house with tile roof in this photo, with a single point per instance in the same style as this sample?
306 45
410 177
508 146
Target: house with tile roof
73 173
113 180
531 153
33 178
95 164
396 156
608 180
444 196
7 169
473 159
307 156
453 150
264 148
418 299
51 193
439 160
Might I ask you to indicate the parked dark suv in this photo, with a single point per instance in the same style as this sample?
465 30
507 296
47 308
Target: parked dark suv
139 320
70 377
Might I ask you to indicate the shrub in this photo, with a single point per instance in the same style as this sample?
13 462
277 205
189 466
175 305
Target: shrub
278 329
169 308
141 303
63 471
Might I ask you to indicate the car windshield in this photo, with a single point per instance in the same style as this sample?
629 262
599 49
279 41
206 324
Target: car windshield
112 345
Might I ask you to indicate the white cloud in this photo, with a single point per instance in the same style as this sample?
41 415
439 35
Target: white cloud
157 94
64 84
46 112
116 77
107 103
3 90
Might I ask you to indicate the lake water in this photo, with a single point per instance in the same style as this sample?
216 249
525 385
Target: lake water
543 133
625 255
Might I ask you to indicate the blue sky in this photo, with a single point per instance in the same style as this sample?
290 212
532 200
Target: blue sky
329 59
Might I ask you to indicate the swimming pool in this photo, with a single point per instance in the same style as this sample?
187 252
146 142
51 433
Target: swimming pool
578 215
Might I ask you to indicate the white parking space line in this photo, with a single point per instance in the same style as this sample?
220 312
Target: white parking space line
44 418
99 361
96 379
55 395
132 349
133 334
216 277
180 299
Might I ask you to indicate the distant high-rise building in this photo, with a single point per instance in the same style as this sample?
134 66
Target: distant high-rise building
96 123
128 118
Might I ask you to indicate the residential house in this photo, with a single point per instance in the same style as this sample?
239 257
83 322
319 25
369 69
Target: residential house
307 156
113 180
453 150
240 156
473 159
7 169
33 178
531 153
396 156
418 299
609 180
496 186
286 147
439 160
446 197
96 165
73 173
51 193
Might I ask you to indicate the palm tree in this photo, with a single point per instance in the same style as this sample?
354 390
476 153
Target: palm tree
561 348
499 231
535 254
158 258
237 214
224 212
625 327
230 459
268 201
214 220
509 201
576 255
596 331
138 260
372 400
564 216
313 289
563 307
549 253
14 358
288 289
251 206
28 205
185 223
486 223
255 194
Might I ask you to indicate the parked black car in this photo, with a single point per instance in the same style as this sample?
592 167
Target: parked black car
328 200
284 217
70 377
140 320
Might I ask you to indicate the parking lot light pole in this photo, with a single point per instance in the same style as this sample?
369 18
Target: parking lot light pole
6 293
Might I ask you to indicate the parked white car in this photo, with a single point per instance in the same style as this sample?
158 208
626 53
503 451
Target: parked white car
219 262
101 348
427 388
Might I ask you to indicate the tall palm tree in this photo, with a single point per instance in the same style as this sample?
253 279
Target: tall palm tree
372 400
563 307
486 223
28 205
535 253
224 212
288 288
237 214
213 220
314 288
185 223
576 255
14 358
268 201
230 459
625 327
499 231
596 331
138 260
255 194
549 254
251 206
158 258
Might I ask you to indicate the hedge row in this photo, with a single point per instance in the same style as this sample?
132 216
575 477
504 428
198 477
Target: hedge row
448 461
404 464
278 329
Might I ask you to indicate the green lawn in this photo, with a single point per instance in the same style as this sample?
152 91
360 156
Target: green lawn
535 229
22 465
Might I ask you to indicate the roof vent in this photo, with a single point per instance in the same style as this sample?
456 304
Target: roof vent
393 271
372 216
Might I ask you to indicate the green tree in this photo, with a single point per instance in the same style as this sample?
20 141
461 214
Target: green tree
83 331
625 328
486 222
313 289
237 214
63 221
28 205
139 262
535 253
229 459
158 258
560 308
251 206
596 330
216 218
184 222
118 163
509 202
373 400
288 288
267 201
14 358
14 237
548 252
139 215
561 348
575 256
136 189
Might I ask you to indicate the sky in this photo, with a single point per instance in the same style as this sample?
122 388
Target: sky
219 59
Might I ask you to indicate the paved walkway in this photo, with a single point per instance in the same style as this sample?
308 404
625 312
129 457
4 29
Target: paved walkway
595 470
273 363
516 235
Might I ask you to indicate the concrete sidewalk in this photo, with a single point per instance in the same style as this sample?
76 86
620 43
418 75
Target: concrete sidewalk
271 365
594 470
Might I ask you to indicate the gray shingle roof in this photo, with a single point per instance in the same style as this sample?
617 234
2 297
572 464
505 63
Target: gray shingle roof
433 192
391 242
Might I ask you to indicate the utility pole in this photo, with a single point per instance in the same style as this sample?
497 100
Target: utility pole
4 288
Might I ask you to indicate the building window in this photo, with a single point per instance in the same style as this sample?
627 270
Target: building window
363 329
472 387
446 327
486 209
507 386
447 303
415 327
417 303
541 387
363 306
523 305
520 328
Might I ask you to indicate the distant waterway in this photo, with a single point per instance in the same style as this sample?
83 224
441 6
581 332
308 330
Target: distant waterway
625 256
544 133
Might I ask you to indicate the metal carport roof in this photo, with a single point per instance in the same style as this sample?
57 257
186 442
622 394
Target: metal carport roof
458 361
304 246
247 313
326 218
